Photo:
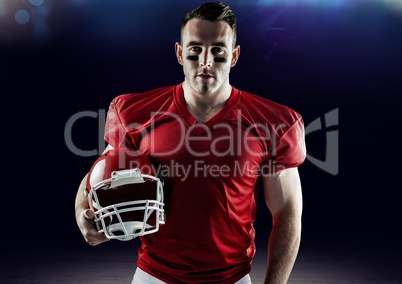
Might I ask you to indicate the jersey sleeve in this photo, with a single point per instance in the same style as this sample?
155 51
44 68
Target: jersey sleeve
115 130
289 150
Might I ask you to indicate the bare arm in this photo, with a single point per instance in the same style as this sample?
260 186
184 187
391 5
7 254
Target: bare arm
84 215
283 197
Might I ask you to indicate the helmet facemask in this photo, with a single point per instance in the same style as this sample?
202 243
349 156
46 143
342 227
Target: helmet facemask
128 204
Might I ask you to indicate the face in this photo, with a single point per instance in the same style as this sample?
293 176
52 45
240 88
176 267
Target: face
207 54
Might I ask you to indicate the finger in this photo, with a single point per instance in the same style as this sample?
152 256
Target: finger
96 239
89 214
91 235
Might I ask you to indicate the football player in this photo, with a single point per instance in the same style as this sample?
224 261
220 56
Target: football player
211 143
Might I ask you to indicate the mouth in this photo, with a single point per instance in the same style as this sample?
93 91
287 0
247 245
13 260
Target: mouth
205 76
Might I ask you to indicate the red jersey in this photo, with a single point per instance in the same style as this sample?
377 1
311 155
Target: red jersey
210 171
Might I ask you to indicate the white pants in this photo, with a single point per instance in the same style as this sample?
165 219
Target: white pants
141 277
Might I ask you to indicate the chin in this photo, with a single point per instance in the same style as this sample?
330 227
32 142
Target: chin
205 90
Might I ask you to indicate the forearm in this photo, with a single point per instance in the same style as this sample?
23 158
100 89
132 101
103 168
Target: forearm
84 217
81 201
283 247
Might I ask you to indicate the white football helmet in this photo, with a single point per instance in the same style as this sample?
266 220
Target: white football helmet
126 195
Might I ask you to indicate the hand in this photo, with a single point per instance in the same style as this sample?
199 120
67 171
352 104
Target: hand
88 229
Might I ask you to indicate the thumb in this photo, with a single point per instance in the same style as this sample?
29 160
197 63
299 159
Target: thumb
89 214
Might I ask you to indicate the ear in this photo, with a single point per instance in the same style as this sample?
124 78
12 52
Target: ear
179 52
235 55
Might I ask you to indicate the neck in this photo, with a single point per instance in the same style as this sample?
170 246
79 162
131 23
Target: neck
204 106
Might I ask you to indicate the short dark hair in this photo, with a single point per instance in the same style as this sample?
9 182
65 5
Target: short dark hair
213 11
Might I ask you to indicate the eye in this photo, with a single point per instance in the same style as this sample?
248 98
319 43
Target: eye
195 49
218 50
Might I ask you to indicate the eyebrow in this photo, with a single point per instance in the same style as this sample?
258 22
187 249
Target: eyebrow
192 43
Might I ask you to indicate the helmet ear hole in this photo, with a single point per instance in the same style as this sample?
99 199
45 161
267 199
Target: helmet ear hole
118 233
137 231
116 230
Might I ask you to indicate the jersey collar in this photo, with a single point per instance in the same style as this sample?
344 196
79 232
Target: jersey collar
219 117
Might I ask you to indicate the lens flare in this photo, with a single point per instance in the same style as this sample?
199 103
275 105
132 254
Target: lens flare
24 20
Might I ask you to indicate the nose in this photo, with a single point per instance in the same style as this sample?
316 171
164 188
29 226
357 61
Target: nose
206 59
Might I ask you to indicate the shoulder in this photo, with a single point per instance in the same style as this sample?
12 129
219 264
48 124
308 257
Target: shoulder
281 125
265 111
144 99
140 106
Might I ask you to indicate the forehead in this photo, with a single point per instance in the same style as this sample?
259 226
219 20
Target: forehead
204 31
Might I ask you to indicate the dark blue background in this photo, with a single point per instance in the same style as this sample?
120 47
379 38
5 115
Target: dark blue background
313 58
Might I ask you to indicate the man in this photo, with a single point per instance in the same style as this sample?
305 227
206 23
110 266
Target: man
217 141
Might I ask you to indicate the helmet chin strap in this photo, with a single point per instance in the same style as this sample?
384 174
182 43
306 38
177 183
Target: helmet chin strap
127 231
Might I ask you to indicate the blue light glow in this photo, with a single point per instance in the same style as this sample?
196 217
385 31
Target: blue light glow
78 2
298 2
22 17
42 33
36 2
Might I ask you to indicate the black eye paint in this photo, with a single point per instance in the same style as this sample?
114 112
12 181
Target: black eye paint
216 59
192 57
220 59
